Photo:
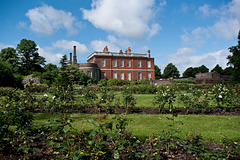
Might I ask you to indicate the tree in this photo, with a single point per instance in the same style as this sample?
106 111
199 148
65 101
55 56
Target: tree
50 75
228 71
6 74
10 56
189 72
157 72
217 69
30 60
64 62
202 69
170 71
234 60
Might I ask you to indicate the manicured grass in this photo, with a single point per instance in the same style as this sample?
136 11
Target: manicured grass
210 127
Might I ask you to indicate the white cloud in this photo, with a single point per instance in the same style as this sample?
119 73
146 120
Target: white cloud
45 20
131 19
49 54
226 26
66 45
114 44
2 46
186 57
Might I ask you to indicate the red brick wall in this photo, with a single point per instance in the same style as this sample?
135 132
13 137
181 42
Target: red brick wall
133 69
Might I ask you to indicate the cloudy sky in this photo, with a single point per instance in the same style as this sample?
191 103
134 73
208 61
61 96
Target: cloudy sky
186 33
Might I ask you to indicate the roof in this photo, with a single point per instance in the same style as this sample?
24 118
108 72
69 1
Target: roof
117 54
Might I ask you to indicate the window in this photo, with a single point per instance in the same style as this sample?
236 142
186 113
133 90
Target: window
122 75
149 64
114 63
103 75
89 73
115 75
129 76
139 64
139 75
149 75
103 62
128 63
121 63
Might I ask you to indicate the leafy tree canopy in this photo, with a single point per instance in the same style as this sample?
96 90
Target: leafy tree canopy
189 72
6 74
203 69
234 60
170 71
157 72
30 60
217 69
9 55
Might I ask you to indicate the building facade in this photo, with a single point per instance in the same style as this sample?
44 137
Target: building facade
118 65
125 66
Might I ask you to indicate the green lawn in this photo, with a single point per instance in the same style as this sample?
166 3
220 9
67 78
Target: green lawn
210 127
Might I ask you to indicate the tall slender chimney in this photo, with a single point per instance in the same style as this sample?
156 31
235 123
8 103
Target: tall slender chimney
74 55
148 53
70 58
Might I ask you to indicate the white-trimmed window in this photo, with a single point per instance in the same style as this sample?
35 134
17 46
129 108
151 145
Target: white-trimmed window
149 64
103 62
121 63
149 75
139 64
128 63
89 73
114 63
122 75
103 75
129 76
115 75
139 75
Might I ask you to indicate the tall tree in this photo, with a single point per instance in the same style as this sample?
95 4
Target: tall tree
189 72
170 71
217 69
203 69
228 71
30 60
10 56
63 62
234 60
6 74
157 72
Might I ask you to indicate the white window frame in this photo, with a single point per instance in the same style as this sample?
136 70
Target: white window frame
149 76
139 64
103 62
128 63
115 75
89 73
103 75
129 76
114 63
121 63
149 64
122 75
139 76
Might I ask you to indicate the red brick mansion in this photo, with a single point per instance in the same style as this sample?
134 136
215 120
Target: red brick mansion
118 65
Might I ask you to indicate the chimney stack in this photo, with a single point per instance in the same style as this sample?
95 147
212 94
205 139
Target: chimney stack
74 55
70 58
148 53
105 49
128 50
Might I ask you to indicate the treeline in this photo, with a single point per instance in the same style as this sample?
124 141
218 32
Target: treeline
16 64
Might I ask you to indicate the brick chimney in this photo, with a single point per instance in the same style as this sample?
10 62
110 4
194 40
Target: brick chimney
120 52
148 53
128 50
70 58
74 55
105 49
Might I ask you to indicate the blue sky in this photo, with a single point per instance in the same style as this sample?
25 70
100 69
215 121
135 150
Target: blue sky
186 33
